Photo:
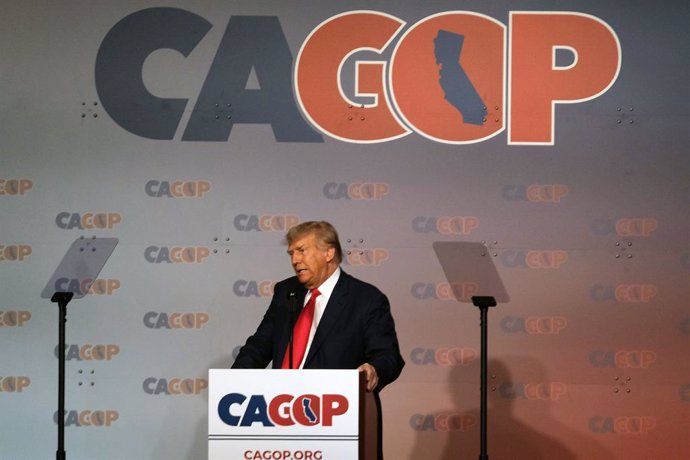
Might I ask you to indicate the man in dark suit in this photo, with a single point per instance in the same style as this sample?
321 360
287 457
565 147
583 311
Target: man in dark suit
352 326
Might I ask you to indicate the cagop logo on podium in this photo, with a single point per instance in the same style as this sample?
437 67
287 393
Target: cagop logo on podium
306 415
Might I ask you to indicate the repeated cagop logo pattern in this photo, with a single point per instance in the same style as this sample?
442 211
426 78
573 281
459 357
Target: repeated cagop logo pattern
399 105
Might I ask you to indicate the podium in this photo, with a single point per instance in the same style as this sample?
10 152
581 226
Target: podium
306 414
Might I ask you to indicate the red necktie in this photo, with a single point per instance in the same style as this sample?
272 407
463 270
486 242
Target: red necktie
301 332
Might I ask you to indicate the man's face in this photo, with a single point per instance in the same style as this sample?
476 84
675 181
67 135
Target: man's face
312 263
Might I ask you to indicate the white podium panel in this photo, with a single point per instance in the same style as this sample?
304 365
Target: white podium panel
283 414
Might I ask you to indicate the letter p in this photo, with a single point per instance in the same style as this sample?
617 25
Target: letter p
536 82
333 405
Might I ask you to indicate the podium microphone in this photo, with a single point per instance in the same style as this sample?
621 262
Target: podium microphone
292 311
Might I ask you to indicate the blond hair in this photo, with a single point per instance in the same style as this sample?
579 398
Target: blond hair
325 234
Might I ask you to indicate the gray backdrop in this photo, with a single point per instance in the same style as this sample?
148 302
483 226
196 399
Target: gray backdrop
121 129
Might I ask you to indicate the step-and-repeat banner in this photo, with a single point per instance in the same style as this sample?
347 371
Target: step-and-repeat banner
196 133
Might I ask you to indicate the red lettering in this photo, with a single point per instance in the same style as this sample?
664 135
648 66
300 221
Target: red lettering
415 73
318 85
333 405
536 84
279 410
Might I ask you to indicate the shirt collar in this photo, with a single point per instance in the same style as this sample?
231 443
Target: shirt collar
326 288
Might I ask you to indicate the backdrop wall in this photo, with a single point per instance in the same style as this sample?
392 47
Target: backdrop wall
196 132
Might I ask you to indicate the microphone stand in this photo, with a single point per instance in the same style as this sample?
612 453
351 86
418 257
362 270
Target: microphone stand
292 309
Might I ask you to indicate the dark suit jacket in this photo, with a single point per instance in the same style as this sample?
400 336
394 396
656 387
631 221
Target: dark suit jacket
356 328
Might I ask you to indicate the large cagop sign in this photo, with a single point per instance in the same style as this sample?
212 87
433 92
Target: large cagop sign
445 78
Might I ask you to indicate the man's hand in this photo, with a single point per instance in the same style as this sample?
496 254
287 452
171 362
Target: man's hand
372 376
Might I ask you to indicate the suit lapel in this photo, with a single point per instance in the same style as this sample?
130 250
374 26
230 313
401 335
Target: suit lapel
334 308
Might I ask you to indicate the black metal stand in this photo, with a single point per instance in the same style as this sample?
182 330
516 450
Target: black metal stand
62 299
483 302
292 308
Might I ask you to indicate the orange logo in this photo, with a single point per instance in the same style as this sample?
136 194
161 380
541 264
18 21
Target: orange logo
15 253
15 187
443 422
534 391
177 188
14 318
627 424
636 226
368 257
88 220
14 384
537 259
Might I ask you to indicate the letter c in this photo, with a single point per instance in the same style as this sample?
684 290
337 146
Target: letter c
120 61
224 406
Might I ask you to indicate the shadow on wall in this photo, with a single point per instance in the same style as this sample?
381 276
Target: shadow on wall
509 437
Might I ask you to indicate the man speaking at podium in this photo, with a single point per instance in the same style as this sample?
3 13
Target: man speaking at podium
344 323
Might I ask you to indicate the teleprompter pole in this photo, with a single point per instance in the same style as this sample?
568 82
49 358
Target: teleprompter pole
62 299
483 303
